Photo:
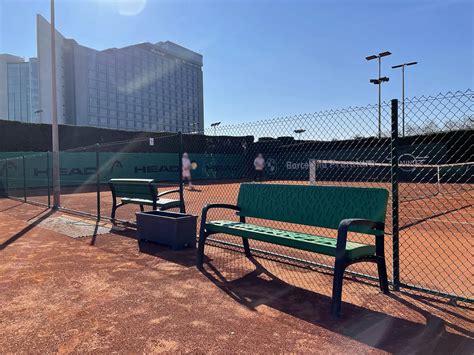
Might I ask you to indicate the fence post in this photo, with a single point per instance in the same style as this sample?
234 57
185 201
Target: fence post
24 178
48 182
394 182
182 208
6 178
3 192
97 178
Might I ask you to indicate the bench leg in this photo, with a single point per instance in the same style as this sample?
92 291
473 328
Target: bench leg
383 279
141 208
200 251
337 288
114 210
246 247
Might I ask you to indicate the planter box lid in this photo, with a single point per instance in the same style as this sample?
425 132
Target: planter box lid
166 214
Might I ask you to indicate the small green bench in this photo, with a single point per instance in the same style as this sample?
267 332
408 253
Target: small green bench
143 192
344 209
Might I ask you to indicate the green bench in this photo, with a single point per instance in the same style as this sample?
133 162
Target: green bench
143 192
344 209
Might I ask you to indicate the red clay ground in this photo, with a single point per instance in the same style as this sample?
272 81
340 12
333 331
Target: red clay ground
435 236
110 294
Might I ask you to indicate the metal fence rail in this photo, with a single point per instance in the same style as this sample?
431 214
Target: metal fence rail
423 158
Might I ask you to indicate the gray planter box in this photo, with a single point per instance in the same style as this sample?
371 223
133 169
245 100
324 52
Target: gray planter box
177 230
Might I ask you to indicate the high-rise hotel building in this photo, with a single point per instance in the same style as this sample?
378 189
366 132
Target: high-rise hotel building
19 95
146 86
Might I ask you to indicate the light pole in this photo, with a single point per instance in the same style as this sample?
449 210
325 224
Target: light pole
299 132
54 115
403 91
38 112
379 82
193 128
215 124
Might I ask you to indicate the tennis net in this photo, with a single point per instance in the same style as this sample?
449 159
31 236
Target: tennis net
418 180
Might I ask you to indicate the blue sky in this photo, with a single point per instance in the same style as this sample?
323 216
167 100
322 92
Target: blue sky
266 59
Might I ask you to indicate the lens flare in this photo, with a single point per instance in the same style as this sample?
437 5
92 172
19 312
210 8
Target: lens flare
130 7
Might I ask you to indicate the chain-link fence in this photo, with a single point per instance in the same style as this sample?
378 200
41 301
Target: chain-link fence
290 147
26 176
436 198
422 156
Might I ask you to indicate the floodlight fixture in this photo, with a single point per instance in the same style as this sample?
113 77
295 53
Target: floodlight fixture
404 65
379 82
215 124
403 91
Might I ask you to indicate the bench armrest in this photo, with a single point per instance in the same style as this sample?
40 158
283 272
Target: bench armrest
343 228
167 192
346 223
215 205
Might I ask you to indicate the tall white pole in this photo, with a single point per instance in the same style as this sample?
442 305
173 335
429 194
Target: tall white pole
403 100
403 91
380 98
54 116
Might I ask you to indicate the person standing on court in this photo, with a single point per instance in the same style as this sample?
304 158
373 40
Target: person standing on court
259 164
186 165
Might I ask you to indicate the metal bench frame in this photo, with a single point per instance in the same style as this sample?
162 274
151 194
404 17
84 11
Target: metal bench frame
341 263
154 201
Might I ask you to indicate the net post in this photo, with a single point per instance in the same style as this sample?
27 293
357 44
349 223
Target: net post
312 171
48 182
438 179
182 208
395 201
97 178
24 177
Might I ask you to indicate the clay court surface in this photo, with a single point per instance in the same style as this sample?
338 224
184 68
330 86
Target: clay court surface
435 230
107 292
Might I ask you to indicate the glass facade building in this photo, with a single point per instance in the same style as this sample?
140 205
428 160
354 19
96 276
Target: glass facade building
149 87
146 86
141 88
22 91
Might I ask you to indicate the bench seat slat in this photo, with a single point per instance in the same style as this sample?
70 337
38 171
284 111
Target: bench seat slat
135 195
131 181
303 241
162 202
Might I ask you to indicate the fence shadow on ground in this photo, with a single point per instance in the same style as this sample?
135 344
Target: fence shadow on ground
376 329
12 207
43 215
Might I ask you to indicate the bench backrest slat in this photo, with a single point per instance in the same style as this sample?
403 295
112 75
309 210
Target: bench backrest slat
134 188
319 206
